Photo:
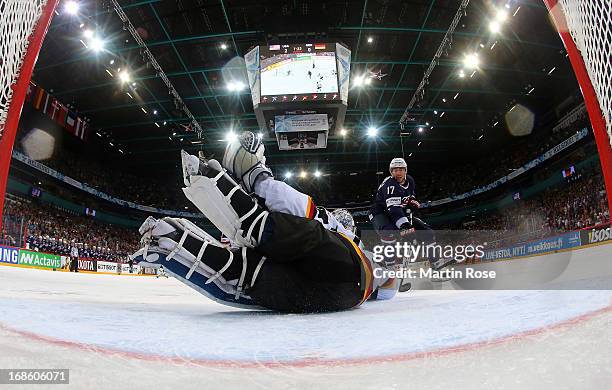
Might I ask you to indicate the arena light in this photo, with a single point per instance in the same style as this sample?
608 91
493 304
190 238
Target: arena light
372 132
461 73
343 132
501 15
124 77
359 81
471 60
112 62
317 174
370 39
154 112
303 174
71 7
231 136
235 86
420 129
88 34
96 44
494 26
223 46
367 81
288 175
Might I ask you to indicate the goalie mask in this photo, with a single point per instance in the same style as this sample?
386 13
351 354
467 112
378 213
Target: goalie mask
245 160
345 219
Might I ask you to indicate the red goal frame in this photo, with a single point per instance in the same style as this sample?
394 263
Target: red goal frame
590 98
19 92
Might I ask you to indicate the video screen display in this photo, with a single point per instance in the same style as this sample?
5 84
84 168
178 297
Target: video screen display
298 69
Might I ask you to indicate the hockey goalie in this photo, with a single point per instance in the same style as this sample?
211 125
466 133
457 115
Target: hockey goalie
287 255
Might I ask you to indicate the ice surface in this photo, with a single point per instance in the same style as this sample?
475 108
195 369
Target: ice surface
141 332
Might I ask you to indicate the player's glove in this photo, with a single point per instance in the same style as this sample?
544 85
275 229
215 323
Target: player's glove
406 229
411 203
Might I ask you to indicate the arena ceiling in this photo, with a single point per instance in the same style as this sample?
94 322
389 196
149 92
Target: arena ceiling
194 39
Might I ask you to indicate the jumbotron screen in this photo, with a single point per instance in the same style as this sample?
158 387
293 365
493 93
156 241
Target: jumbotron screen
299 69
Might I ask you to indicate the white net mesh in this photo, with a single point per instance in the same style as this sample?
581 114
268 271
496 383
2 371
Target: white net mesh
590 24
18 19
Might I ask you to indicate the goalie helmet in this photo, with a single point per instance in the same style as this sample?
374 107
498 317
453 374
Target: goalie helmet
245 159
345 219
397 162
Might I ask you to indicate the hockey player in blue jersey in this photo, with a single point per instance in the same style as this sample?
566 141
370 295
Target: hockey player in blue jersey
391 213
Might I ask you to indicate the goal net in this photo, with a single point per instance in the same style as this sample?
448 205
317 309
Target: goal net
23 25
18 19
590 25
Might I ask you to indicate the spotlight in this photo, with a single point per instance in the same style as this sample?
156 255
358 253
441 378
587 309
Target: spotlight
368 81
359 81
88 34
317 174
124 77
372 132
461 73
303 174
343 132
96 44
223 46
71 7
154 111
471 61
494 26
501 15
112 62
420 129
288 175
235 86
370 39
231 136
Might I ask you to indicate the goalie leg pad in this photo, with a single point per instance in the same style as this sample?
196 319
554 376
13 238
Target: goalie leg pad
198 260
227 205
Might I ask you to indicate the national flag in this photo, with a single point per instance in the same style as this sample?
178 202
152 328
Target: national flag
319 46
80 130
39 97
61 116
55 107
70 122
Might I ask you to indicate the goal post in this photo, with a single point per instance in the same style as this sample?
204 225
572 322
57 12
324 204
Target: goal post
585 27
23 26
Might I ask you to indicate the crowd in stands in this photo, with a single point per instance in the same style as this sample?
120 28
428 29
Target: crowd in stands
47 229
571 206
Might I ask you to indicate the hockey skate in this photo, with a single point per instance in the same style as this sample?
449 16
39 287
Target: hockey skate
194 257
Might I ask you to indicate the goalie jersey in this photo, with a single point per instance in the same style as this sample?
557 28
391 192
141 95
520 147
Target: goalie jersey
390 198
281 197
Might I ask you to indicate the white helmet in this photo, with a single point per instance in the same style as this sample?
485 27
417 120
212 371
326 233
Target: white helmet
345 219
397 162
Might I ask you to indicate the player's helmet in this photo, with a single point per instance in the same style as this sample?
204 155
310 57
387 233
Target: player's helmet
397 162
345 219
